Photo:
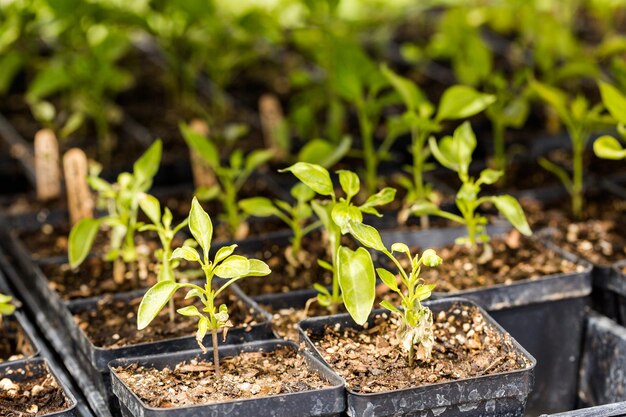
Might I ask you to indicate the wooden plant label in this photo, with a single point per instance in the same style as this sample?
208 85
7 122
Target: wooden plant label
203 175
79 199
47 165
272 118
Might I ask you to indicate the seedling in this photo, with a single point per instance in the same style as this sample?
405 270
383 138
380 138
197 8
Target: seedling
335 215
420 118
357 272
121 200
581 121
162 225
231 177
455 152
606 146
224 265
7 307
295 216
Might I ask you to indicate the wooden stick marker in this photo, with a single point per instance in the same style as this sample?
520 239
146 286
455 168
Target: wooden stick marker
272 119
47 165
203 175
79 199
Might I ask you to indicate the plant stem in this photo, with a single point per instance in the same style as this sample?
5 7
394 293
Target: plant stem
216 354
577 180
499 150
411 355
418 141
230 206
369 153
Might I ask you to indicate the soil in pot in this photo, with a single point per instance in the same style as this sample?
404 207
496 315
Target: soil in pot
114 323
371 359
30 395
285 320
247 375
14 344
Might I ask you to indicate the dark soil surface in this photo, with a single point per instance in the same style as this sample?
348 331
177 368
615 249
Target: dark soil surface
248 375
372 359
285 320
32 396
14 344
50 240
114 323
514 258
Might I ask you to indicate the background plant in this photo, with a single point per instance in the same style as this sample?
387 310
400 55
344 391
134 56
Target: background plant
455 153
7 307
230 177
607 146
224 265
121 201
335 215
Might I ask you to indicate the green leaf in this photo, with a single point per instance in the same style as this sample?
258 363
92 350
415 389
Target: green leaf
614 101
6 309
323 152
257 158
151 207
424 207
386 304
187 253
201 144
461 102
224 252
234 266
559 172
553 96
510 208
349 183
200 225
388 278
430 258
203 328
489 176
384 196
146 167
344 213
258 268
49 81
81 240
401 247
367 235
608 147
153 302
314 176
411 94
422 292
259 207
189 311
355 271
325 265
208 193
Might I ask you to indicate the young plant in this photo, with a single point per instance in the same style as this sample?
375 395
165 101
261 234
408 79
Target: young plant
581 121
421 119
335 215
357 271
162 225
606 146
230 178
455 153
121 200
295 216
7 307
224 265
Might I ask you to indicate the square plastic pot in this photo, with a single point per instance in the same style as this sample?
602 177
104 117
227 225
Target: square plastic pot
546 316
325 402
39 367
503 394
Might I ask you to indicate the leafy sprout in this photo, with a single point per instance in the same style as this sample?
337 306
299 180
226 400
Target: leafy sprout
336 215
121 200
422 119
7 306
231 176
224 264
295 216
455 153
581 120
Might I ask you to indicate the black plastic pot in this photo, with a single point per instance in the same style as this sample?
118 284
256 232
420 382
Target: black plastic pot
324 402
546 316
39 367
503 394
609 410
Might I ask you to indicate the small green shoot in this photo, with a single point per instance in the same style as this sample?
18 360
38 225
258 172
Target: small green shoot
335 215
606 146
224 265
121 200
